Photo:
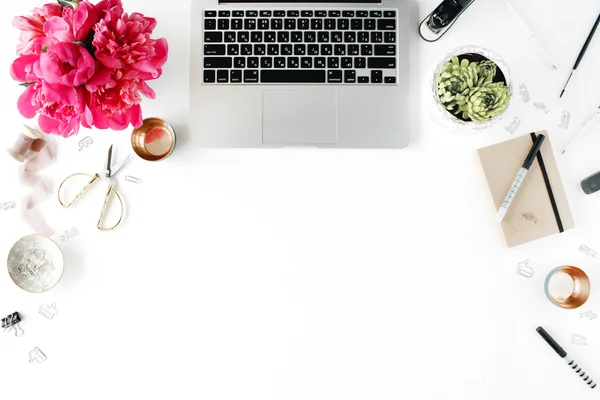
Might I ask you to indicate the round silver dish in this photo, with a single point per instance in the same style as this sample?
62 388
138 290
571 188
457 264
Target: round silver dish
35 263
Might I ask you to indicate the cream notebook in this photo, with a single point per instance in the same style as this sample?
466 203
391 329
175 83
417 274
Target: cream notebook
540 207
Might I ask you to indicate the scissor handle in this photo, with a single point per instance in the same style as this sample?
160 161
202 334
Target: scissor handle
85 188
110 191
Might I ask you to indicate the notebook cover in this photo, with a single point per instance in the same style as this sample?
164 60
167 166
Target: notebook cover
531 215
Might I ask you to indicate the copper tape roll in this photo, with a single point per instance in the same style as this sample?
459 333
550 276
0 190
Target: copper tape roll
580 292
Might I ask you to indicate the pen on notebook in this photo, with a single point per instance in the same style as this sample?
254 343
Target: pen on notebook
563 354
581 53
514 188
585 129
541 49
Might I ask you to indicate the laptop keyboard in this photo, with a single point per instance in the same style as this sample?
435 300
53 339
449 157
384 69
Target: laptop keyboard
300 46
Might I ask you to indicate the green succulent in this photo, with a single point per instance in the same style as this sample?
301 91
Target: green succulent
485 101
487 69
467 88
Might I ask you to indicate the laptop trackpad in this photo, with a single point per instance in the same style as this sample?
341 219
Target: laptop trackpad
299 117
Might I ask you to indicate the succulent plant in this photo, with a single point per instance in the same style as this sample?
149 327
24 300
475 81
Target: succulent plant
487 69
468 89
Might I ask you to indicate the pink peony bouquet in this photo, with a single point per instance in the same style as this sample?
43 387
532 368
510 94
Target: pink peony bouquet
86 65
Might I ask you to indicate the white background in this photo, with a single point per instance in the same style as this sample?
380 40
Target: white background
311 274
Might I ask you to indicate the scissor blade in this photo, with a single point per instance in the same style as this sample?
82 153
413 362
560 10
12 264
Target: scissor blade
109 161
116 169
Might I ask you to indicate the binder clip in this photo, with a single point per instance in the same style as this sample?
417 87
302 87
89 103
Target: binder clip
11 322
437 23
37 355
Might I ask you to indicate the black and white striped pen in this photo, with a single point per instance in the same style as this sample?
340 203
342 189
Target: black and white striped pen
563 354
514 188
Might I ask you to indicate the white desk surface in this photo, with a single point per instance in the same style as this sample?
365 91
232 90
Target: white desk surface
312 274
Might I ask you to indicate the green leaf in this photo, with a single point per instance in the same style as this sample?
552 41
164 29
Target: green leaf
68 3
26 84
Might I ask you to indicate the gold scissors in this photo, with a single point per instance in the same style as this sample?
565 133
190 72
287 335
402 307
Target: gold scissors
108 173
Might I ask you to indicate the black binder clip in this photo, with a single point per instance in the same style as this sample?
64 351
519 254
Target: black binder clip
436 24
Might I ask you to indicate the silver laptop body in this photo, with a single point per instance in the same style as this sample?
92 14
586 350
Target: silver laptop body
300 74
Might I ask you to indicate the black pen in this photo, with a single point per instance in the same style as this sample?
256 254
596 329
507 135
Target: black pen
563 354
581 53
514 188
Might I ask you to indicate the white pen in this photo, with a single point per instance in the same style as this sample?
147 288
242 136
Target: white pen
514 188
541 49
585 129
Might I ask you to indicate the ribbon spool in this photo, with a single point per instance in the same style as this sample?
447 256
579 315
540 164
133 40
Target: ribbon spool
567 287
29 140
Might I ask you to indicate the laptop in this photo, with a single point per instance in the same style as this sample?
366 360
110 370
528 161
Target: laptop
330 75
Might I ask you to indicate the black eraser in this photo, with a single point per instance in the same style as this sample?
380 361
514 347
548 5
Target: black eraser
591 184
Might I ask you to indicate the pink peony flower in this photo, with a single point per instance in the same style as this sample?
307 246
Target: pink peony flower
22 69
66 63
33 37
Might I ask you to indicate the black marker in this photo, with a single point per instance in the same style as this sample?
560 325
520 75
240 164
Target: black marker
563 354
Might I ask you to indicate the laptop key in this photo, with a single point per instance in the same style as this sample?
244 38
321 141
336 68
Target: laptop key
346 62
350 76
320 62
313 49
233 49
386 24
292 76
251 13
337 37
333 62
369 24
273 49
381 62
366 50
303 24
256 37
390 79
306 62
376 76
222 76
356 24
229 37
334 76
283 37
217 62
239 62
224 13
343 24
263 24
210 13
223 24
389 37
279 62
353 50
246 49
316 24
243 37
362 14
213 37
334 13
375 14
290 24
276 24
296 37
237 13
363 79
349 37
310 37
293 13
251 76
260 49
293 62
287 49
360 62
320 13
347 13
235 76
270 37
209 76
363 37
265 13
210 24
300 49
385 50
306 13
236 24
330 24
252 62
323 37
326 49
389 14
376 37
339 50
279 13
214 49
250 24
266 62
